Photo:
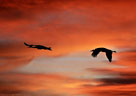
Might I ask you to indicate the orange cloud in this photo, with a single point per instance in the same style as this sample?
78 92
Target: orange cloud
67 26
14 54
22 84
80 25
116 81
127 58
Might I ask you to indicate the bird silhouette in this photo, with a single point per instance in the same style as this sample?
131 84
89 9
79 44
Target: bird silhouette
101 49
38 46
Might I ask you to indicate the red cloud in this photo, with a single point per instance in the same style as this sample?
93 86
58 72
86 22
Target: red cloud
67 26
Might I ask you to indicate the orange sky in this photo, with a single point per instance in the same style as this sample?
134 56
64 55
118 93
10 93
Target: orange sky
71 28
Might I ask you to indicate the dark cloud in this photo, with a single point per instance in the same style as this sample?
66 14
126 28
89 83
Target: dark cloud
103 71
13 10
113 82
118 81
120 76
115 93
7 13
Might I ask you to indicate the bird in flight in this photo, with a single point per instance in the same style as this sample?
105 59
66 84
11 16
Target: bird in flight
101 49
38 46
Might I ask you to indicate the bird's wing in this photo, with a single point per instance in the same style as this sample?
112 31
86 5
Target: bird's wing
33 46
95 53
109 56
36 46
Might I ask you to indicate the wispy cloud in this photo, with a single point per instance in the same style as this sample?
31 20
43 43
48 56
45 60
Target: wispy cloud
68 27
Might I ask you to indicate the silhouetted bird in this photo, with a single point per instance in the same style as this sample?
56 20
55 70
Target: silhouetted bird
107 51
38 46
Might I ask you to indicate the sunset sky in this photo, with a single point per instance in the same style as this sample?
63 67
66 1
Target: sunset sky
71 28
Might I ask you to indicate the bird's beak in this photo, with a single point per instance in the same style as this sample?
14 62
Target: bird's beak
91 50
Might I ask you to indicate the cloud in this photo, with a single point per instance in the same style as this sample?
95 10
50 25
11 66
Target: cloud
127 57
120 76
113 81
13 54
35 84
67 26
